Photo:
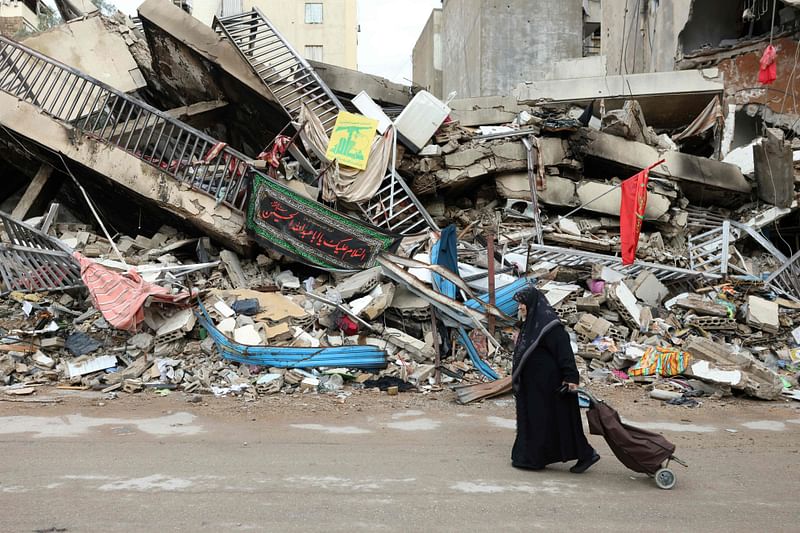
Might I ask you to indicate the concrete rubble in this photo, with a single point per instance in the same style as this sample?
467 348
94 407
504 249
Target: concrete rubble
530 183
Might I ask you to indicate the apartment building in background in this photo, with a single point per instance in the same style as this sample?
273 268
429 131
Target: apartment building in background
18 16
320 30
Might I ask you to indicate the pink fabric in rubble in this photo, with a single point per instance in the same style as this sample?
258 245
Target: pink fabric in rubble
121 297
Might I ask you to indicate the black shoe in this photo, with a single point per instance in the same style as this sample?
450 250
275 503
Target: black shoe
584 464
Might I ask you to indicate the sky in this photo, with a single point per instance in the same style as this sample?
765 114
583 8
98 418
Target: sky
389 30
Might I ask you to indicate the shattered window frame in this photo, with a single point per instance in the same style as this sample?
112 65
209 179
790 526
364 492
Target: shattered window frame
314 13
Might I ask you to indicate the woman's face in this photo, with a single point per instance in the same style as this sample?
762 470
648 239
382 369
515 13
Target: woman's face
522 312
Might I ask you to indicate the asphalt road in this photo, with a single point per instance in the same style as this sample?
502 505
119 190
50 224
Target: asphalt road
167 465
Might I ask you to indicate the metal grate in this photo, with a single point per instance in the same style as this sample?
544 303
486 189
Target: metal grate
575 258
32 261
710 252
287 75
786 279
113 117
395 208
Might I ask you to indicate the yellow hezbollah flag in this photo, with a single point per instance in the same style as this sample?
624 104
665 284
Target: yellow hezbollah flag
351 140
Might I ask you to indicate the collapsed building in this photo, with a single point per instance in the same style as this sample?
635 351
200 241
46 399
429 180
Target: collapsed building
200 156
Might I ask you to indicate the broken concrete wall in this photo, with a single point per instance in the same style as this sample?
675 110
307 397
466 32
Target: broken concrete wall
465 164
709 23
774 169
193 64
167 25
740 66
96 46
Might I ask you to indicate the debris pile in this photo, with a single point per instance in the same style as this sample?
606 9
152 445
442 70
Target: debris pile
329 251
248 311
707 343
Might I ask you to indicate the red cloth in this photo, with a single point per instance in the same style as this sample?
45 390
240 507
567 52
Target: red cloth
214 152
274 155
631 212
121 297
768 67
347 325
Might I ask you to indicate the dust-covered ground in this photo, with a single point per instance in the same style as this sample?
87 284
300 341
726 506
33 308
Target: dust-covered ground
378 463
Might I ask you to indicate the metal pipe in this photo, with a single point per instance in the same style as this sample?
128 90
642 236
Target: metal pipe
490 259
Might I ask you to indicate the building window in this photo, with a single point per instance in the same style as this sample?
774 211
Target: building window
313 13
229 8
314 52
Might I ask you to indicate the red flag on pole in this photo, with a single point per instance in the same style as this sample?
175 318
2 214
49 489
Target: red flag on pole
631 212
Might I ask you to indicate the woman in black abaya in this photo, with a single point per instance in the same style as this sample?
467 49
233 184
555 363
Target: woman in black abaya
549 428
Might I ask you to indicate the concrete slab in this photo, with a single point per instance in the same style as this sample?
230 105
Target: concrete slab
558 191
350 82
763 314
485 110
705 174
91 47
657 205
669 99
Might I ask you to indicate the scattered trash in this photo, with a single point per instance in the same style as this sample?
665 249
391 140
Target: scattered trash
318 263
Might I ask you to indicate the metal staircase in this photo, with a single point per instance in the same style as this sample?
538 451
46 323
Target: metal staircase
99 111
395 208
293 83
287 75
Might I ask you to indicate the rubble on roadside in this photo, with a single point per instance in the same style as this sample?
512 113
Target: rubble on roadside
710 308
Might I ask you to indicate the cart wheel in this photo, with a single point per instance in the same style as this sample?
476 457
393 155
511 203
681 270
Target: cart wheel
665 478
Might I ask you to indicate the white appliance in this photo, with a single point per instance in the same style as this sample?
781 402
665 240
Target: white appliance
420 120
369 108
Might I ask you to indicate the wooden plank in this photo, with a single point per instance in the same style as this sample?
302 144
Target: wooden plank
482 391
32 192
24 348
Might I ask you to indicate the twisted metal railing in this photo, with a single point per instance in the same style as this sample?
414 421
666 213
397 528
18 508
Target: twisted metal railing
113 117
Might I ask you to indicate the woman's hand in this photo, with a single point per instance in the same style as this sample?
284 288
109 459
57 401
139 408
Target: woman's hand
572 386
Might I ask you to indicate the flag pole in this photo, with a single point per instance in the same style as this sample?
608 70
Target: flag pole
617 186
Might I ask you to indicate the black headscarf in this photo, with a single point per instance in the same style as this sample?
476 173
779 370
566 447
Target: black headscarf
540 318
